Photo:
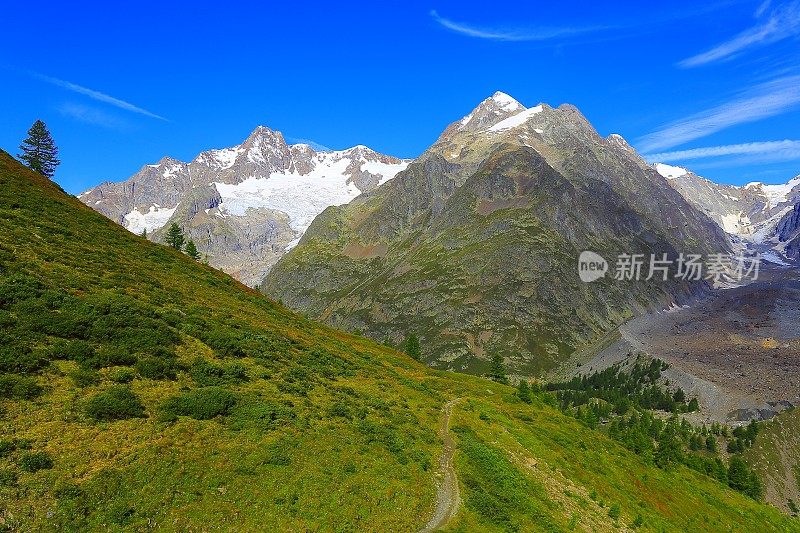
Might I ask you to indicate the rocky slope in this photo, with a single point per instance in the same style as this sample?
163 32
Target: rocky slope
474 247
243 206
762 217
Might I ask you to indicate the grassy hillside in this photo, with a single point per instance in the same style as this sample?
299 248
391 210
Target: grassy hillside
774 455
140 390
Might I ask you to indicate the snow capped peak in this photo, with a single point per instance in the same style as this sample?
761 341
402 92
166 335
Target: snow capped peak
261 131
670 172
489 112
619 140
778 194
506 102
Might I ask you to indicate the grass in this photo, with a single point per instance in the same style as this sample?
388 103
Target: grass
216 408
774 455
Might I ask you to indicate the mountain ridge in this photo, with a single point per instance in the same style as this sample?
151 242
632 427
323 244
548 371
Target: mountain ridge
506 197
226 202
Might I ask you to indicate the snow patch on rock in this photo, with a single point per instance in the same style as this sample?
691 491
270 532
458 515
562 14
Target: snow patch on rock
670 172
516 120
152 220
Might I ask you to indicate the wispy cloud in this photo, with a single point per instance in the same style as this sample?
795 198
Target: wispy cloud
510 34
765 100
92 115
773 150
779 23
97 95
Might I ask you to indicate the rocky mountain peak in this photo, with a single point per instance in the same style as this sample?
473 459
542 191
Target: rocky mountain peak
244 206
489 112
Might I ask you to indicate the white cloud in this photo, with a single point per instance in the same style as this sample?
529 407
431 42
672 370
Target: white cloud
506 34
781 23
91 115
774 150
100 97
763 101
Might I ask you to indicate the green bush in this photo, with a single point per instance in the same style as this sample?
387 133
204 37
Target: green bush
207 374
35 461
614 512
122 375
6 447
72 350
7 477
16 387
112 356
153 367
264 415
117 403
84 377
201 404
20 359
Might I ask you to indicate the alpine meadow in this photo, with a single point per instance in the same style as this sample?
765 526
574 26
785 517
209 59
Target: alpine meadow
363 267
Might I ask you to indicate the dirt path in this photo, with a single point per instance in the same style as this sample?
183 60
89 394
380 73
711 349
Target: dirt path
448 497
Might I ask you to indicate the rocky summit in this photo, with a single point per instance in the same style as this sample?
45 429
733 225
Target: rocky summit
474 247
244 206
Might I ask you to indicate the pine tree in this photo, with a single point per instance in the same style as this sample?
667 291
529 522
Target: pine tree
144 233
39 151
524 391
497 371
191 251
413 348
175 237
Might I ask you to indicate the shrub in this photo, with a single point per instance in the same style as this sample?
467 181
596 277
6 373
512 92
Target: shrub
35 461
117 403
17 387
74 350
112 356
614 512
122 375
207 374
157 367
84 377
256 413
6 447
201 404
7 477
20 359
18 288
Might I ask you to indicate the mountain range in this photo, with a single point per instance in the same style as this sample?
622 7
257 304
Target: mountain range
244 206
763 217
474 244
474 247
142 390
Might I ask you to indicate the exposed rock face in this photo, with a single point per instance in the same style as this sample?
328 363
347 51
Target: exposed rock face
474 247
761 216
243 206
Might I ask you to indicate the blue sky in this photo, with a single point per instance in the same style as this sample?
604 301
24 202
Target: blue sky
718 82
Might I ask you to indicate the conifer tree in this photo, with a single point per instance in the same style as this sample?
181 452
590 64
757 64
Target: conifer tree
413 348
175 237
191 251
524 391
497 371
39 151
